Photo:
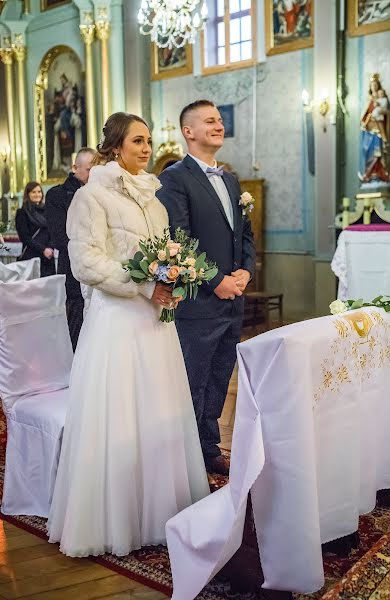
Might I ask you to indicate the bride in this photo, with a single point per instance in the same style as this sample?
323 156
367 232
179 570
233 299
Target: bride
131 456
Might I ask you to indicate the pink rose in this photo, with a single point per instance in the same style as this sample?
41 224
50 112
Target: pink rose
173 247
153 267
173 273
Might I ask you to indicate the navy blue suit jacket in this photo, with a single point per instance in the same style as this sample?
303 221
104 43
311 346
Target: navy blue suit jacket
193 204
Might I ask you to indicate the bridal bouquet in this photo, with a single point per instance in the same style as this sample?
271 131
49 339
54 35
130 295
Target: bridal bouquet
173 262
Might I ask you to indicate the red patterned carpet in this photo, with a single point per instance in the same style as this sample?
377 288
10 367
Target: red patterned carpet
366 570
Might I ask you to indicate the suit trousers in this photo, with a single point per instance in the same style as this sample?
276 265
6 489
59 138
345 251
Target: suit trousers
209 350
74 313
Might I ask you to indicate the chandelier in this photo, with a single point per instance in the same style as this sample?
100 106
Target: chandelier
172 23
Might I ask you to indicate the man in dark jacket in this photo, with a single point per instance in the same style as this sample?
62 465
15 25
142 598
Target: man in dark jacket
58 200
204 201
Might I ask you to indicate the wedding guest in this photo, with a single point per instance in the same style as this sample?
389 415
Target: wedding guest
31 226
204 201
58 200
130 456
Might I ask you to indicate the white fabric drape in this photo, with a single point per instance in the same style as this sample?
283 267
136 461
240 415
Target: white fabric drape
362 264
310 443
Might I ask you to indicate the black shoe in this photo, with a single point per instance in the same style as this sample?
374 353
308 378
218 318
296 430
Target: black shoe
217 464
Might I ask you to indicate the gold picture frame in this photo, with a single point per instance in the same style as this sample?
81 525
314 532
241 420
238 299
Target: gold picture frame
49 4
59 114
362 22
295 29
173 62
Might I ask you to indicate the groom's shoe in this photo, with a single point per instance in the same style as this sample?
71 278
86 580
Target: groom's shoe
217 464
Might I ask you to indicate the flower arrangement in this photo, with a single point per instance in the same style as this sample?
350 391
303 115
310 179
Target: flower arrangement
173 262
3 229
338 306
247 202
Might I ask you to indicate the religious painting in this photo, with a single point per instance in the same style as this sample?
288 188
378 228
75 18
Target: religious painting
171 62
288 25
227 114
61 129
48 4
368 16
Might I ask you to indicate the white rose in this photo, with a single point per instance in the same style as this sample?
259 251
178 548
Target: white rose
189 261
246 199
337 307
161 255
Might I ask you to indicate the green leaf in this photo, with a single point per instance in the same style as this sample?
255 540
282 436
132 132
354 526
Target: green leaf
138 274
211 273
200 261
376 299
144 266
185 292
138 256
387 307
357 303
195 292
179 291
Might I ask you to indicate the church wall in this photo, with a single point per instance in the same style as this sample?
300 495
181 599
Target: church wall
280 151
49 29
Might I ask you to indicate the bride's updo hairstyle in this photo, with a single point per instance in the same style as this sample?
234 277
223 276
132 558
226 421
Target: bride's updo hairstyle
114 132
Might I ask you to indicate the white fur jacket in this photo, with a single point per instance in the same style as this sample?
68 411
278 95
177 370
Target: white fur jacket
106 220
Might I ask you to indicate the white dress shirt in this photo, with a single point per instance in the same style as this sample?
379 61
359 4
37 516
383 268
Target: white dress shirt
219 185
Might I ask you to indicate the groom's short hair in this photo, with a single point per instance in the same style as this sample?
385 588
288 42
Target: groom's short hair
193 106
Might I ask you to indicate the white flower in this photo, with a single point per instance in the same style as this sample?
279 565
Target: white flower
338 306
162 255
246 199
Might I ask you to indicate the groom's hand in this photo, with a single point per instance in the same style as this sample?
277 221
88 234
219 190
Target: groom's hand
228 288
242 277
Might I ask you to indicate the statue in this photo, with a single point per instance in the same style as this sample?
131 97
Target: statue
375 136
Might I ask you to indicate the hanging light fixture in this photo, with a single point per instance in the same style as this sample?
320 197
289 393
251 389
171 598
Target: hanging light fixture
172 23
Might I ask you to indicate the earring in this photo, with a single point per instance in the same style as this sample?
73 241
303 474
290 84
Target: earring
116 155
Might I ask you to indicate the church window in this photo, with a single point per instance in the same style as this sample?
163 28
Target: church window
228 38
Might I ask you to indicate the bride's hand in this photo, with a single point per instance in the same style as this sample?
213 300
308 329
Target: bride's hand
162 296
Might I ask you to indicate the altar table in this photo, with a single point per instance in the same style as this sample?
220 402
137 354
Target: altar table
311 444
362 263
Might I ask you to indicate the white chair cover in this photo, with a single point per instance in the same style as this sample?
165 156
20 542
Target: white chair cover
35 362
22 270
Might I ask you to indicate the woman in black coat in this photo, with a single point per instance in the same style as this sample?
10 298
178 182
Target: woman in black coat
32 229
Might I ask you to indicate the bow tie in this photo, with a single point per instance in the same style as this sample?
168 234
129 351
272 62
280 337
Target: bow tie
210 171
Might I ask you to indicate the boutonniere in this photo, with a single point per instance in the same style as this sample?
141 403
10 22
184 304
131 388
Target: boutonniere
246 201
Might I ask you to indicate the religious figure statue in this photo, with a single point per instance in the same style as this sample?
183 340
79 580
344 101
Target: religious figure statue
375 136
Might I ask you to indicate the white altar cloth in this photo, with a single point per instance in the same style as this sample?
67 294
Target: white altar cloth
362 264
310 443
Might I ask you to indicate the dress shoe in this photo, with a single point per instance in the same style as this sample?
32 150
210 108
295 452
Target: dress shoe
217 464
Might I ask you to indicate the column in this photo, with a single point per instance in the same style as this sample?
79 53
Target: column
103 30
6 55
88 33
325 78
20 55
117 64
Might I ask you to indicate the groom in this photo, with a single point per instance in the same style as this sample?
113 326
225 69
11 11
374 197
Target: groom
204 201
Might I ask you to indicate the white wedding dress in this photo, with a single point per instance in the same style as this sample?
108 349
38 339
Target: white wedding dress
130 457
